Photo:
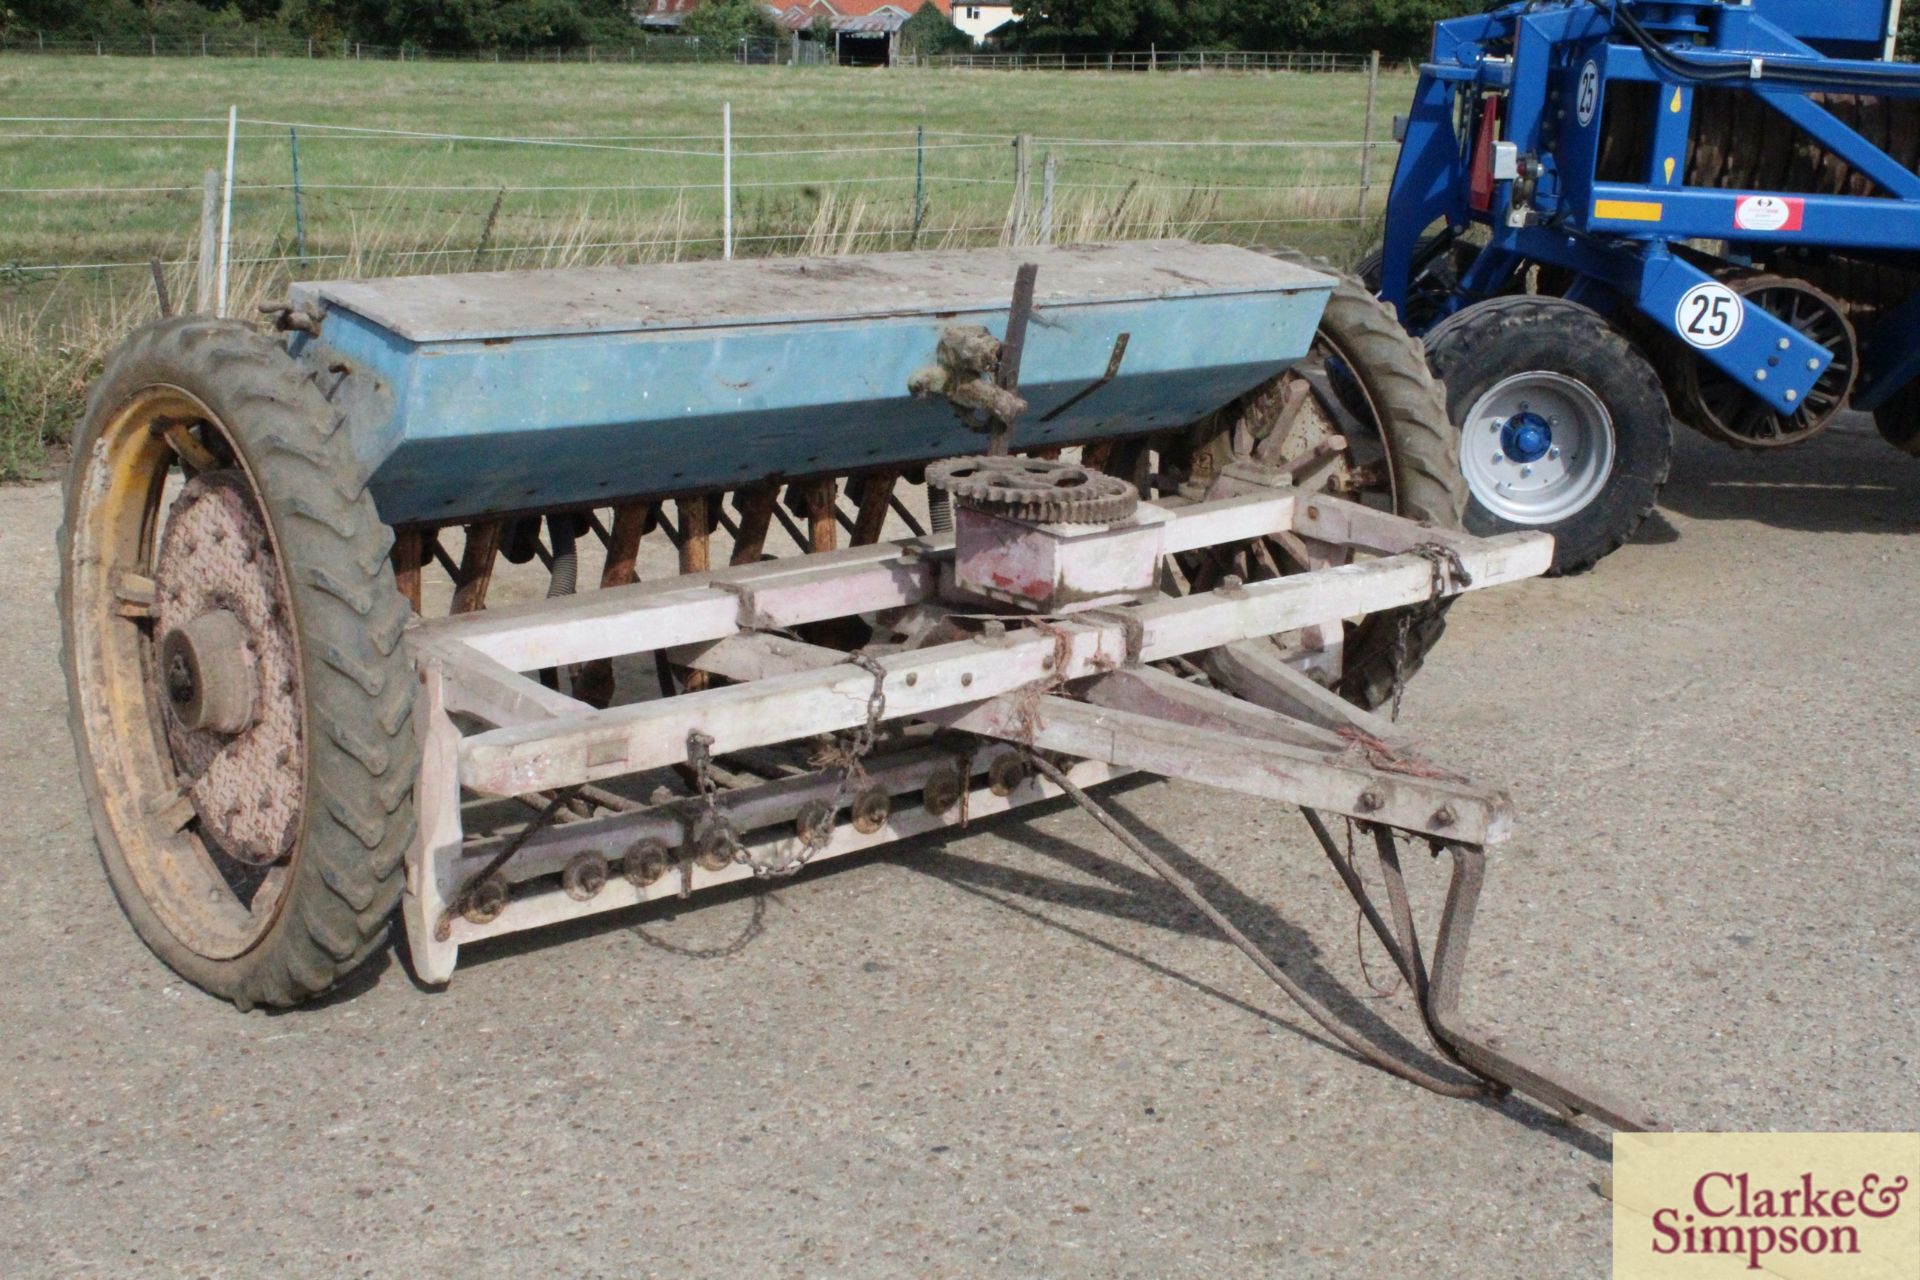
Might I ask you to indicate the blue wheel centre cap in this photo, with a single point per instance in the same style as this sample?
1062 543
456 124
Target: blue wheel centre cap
1525 437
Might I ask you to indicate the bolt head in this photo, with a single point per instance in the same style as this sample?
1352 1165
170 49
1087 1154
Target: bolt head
1526 471
1499 458
1783 344
1759 375
1813 363
1554 452
1792 395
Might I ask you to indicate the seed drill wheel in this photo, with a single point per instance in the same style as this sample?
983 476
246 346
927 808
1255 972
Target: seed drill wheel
1366 382
240 699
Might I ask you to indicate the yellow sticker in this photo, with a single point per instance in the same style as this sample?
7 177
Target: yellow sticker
1675 105
1669 168
1807 1206
1628 210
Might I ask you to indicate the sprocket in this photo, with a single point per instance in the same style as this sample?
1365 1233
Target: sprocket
1041 490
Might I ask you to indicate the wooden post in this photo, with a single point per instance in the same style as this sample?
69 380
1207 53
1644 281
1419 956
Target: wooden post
1366 144
203 294
1046 200
226 211
919 181
1017 217
299 211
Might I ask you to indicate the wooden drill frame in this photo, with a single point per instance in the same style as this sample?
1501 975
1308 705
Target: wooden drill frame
1025 708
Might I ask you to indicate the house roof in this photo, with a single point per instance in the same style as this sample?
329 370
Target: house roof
862 17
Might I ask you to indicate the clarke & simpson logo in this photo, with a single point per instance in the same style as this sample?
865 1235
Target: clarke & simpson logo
1809 1205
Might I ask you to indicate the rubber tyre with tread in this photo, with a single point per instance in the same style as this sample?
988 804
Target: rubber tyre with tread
358 682
1899 420
1477 347
1422 444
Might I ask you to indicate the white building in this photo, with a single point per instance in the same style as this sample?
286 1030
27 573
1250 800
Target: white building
982 20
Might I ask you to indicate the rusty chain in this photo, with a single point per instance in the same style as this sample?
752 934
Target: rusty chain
814 836
1445 571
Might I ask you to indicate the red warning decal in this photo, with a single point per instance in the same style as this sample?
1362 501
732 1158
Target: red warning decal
1768 213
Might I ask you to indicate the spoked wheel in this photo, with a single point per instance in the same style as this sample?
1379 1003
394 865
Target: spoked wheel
1360 418
1711 402
240 700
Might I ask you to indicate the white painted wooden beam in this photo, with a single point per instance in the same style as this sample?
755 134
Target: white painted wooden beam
1251 766
519 759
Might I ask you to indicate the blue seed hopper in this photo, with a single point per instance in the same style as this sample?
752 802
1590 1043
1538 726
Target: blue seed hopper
516 391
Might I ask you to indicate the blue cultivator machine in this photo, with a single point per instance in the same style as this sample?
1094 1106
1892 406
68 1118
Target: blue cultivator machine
1055 515
1608 209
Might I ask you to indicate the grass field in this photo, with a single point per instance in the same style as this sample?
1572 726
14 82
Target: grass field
825 162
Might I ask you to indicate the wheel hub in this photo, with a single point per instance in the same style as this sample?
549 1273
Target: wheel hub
1537 447
1526 437
226 671
208 680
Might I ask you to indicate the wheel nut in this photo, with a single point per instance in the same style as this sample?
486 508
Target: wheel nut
1370 802
1006 774
815 823
941 791
712 843
585 876
871 808
645 862
483 903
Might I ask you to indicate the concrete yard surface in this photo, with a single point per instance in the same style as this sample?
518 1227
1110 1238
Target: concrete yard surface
1013 1051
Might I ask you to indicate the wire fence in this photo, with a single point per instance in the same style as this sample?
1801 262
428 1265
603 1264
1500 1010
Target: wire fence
1148 60
323 198
642 47
796 48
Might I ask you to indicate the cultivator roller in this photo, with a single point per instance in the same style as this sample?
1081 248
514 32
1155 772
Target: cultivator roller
1056 515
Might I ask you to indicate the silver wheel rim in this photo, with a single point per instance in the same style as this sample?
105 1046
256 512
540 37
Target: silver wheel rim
1537 448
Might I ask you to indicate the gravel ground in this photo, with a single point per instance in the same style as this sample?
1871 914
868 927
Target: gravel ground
1015 1052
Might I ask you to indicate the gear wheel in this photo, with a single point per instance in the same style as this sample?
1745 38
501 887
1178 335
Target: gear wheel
1035 489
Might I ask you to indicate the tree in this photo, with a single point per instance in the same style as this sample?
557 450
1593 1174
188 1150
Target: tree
723 24
931 31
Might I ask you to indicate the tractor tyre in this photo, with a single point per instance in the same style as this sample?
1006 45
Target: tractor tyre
1378 374
240 699
1899 419
1563 424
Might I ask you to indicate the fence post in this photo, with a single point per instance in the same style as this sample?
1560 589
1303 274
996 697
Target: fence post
209 242
153 45
1366 136
1017 215
919 181
1153 57
299 214
1046 200
726 180
309 48
226 210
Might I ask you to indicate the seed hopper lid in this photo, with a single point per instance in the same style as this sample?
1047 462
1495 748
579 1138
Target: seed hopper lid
778 291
